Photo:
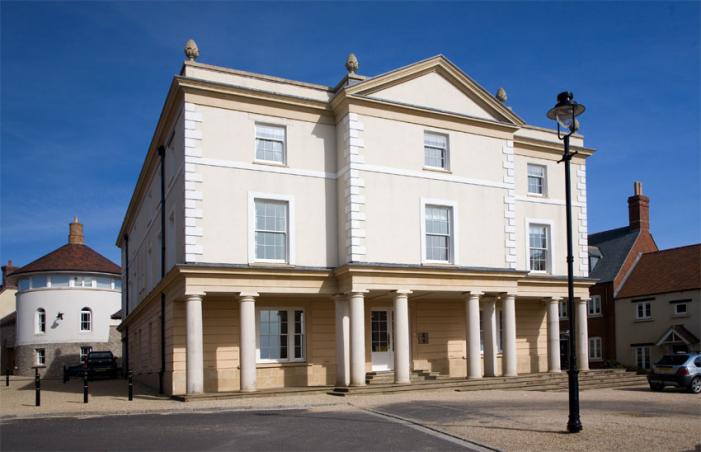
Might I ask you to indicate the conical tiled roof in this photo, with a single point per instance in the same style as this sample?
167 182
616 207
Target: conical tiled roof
72 257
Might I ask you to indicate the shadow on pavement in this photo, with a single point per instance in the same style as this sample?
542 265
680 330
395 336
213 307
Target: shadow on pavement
117 388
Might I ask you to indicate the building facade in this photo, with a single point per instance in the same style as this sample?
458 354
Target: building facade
612 254
658 309
289 234
8 319
65 301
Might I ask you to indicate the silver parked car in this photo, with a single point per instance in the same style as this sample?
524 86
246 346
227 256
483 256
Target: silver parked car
682 370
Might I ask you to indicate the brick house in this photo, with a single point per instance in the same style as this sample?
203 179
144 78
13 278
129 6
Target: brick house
612 254
657 309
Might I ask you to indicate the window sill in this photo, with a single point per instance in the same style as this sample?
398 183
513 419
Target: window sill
537 195
438 263
270 163
539 272
270 264
437 170
595 316
595 360
643 320
268 365
680 316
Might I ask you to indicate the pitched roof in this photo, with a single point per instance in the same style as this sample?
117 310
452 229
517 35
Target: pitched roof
672 270
72 257
614 246
680 331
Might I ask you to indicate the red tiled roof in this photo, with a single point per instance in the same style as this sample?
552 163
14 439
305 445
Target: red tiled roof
72 257
665 271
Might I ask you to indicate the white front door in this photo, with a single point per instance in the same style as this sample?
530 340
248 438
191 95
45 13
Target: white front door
381 340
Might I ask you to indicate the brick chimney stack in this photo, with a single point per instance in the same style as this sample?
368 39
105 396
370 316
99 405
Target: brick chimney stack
75 233
638 209
6 271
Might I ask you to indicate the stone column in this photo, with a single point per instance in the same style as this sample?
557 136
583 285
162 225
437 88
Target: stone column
194 355
402 358
472 334
357 338
582 334
490 337
342 341
552 306
508 344
247 345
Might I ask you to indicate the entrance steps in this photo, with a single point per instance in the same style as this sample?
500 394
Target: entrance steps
387 377
592 379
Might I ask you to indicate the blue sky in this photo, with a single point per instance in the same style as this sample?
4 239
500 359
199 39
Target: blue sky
83 85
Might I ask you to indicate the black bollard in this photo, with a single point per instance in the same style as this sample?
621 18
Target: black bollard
85 386
37 387
131 386
7 376
65 375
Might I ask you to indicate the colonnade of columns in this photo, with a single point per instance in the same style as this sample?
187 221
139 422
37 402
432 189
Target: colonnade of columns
350 338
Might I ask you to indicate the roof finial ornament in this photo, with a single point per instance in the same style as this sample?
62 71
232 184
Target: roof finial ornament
501 95
191 50
352 63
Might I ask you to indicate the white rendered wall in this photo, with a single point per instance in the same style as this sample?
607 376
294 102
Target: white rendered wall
433 91
226 166
144 261
68 301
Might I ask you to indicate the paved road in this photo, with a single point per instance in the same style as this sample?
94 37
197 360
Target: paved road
232 430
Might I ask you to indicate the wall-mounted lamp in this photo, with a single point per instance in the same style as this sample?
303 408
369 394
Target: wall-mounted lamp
59 316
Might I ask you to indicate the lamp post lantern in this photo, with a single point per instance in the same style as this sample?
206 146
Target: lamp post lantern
565 113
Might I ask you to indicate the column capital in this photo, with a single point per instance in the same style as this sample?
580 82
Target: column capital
194 296
473 293
340 296
402 292
355 293
549 300
246 295
506 295
580 300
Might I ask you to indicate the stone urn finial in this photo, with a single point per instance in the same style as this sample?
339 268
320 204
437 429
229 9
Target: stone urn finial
191 50
352 63
501 95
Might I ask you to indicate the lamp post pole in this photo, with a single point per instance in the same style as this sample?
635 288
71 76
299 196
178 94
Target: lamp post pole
565 112
574 424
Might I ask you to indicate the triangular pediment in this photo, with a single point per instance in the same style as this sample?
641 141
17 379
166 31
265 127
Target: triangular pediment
436 84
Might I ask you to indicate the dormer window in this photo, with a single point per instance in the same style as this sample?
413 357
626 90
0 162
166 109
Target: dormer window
593 260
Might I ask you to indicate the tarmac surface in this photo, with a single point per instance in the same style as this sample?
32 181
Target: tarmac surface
622 419
298 430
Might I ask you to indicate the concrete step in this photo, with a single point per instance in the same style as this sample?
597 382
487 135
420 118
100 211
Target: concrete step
536 382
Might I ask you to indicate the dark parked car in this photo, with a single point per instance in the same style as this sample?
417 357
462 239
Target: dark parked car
101 363
682 370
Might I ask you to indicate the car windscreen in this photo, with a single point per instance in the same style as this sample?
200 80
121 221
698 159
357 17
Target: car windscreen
673 360
100 355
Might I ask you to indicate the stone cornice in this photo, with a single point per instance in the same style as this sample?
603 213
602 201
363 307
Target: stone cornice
549 147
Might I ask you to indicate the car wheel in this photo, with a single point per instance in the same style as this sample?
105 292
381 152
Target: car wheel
695 385
656 387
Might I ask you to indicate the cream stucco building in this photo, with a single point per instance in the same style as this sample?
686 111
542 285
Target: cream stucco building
289 234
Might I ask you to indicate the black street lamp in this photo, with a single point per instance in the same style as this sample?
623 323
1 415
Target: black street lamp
565 112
